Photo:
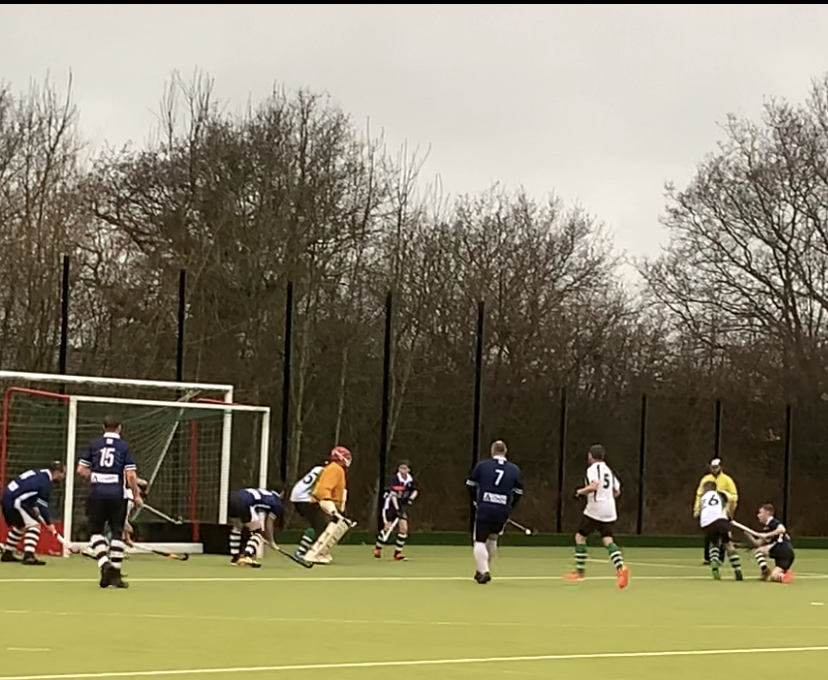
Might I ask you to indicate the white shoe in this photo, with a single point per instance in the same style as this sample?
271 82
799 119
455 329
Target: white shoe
316 558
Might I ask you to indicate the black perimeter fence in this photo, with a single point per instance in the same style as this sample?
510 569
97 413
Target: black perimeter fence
443 418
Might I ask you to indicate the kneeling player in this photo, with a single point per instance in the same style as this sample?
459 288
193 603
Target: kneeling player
495 489
25 504
243 511
400 493
775 543
717 529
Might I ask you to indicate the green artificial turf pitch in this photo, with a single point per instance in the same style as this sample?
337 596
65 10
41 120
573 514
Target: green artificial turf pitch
360 618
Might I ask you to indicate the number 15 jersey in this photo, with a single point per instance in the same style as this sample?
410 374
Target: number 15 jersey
601 502
108 458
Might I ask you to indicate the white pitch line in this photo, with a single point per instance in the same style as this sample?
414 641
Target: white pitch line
418 662
28 649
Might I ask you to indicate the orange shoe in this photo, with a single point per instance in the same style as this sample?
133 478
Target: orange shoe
399 557
623 578
378 553
573 576
788 577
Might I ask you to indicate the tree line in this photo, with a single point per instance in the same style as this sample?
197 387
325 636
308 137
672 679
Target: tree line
292 190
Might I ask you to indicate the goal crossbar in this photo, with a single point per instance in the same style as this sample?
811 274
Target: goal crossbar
115 382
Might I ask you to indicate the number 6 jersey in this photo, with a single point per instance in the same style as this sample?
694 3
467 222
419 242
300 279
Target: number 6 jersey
601 502
107 459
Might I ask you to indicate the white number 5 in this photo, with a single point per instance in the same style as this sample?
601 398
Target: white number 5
499 476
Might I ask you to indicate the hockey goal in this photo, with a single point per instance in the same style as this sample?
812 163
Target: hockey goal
190 451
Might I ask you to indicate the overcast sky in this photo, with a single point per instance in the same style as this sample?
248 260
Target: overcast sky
599 104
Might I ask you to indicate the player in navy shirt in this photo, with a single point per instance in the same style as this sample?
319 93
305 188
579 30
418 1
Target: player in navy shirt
774 542
25 505
244 511
495 489
109 468
400 493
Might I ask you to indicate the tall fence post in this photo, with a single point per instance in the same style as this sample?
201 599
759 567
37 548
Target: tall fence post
642 453
717 441
478 396
64 318
182 317
386 396
561 458
786 490
288 345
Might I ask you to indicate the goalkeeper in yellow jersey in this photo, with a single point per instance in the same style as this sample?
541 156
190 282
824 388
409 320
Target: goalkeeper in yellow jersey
724 484
328 503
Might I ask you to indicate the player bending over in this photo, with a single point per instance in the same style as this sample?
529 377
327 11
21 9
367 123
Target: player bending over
245 510
717 528
328 503
495 489
601 490
775 542
109 468
400 493
300 496
25 505
129 530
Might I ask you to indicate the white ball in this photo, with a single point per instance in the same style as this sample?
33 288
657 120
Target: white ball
528 532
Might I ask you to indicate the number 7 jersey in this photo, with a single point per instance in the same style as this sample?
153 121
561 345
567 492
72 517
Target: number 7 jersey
601 502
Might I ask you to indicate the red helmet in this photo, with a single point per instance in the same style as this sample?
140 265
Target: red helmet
341 455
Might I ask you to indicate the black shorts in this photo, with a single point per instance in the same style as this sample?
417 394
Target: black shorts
106 511
590 526
313 515
783 555
14 519
719 531
485 527
238 508
390 512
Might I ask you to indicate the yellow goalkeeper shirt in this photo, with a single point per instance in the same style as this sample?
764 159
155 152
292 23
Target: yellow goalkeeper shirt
725 484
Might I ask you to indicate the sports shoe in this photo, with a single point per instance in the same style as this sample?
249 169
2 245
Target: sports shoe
717 574
234 560
765 575
788 577
740 576
623 578
573 576
106 574
8 556
399 557
246 561
30 560
482 578
378 553
116 579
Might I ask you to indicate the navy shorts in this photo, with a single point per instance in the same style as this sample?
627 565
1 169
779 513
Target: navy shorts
783 556
103 512
390 513
13 518
484 527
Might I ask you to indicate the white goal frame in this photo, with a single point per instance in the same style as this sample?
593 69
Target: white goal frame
226 392
224 490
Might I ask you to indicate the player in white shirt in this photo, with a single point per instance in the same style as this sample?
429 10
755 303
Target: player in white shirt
300 496
717 528
601 490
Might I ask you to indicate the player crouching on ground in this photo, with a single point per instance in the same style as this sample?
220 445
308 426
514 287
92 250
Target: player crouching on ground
25 505
329 495
245 511
717 528
600 515
400 493
775 542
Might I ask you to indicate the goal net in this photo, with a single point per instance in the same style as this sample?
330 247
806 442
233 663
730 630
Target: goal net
191 452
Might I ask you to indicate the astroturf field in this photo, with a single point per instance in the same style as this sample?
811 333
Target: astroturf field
359 618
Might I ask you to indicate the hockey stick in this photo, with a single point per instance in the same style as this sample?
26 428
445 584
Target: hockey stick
747 530
291 557
71 548
160 514
163 553
386 534
525 530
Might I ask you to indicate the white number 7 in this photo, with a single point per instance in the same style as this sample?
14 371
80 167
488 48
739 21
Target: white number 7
499 476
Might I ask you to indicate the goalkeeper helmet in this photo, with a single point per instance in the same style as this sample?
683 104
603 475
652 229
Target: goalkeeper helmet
341 455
